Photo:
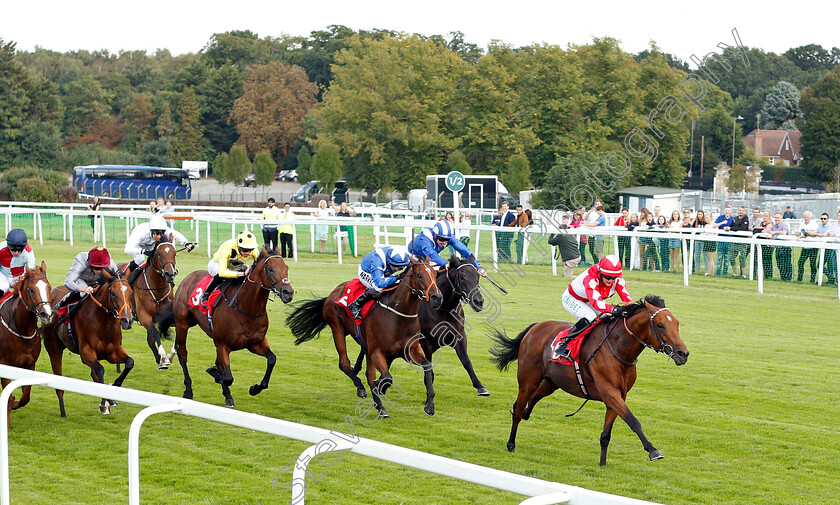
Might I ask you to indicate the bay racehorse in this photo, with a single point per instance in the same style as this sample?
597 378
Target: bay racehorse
607 374
20 340
153 295
239 320
389 331
95 332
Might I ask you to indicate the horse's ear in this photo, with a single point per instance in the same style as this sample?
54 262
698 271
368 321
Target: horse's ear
264 251
426 260
43 266
108 275
471 260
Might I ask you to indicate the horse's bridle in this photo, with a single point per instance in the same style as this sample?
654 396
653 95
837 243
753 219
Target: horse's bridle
161 270
111 311
422 295
272 284
33 309
664 348
462 294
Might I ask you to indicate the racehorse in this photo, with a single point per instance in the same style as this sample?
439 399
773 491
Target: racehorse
606 376
20 341
240 322
387 333
95 332
153 295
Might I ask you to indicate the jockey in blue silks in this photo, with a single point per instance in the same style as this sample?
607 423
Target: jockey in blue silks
376 273
431 241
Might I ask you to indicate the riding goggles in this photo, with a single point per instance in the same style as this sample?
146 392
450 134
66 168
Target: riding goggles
16 248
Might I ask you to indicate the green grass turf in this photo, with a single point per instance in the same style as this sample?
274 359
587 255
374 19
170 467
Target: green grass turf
751 418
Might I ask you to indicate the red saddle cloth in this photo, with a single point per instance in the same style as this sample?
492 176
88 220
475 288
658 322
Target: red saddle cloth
124 268
195 296
573 346
353 290
7 296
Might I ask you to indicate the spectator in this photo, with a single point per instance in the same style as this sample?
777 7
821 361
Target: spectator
168 208
287 231
624 242
577 220
756 219
449 217
94 206
520 238
705 221
740 251
632 224
808 229
789 213
153 207
764 228
344 211
567 247
780 228
596 242
663 244
675 244
590 219
824 230
723 222
504 218
650 251
322 231
464 219
271 216
643 243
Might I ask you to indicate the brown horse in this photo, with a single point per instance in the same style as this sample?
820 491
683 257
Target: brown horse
20 341
390 330
607 376
239 319
96 327
153 296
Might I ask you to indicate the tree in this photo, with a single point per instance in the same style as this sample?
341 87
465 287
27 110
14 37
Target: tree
813 57
387 109
139 117
326 165
155 153
517 176
264 169
457 162
188 143
165 126
304 162
216 96
239 166
567 185
221 172
781 105
821 126
86 102
268 116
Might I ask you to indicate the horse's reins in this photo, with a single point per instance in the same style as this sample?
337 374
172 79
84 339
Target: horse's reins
607 333
231 303
457 284
33 310
415 292
116 314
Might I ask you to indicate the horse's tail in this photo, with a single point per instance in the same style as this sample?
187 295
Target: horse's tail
506 349
165 319
307 320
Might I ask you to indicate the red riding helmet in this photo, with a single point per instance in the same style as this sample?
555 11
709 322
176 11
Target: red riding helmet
610 265
98 257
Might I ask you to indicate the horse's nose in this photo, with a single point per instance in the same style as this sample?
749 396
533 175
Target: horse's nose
680 357
286 295
478 302
126 323
435 299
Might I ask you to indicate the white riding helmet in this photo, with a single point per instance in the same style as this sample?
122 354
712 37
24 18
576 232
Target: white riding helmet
157 223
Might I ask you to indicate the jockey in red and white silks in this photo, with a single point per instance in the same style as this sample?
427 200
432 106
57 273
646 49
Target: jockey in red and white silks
586 296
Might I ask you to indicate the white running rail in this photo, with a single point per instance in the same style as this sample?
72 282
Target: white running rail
541 492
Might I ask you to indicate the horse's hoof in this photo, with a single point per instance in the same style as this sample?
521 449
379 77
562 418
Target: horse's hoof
655 454
361 393
229 402
511 447
214 372
482 391
164 363
429 410
188 395
383 413
255 390
105 409
112 403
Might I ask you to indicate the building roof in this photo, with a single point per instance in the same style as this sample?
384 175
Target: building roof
648 191
773 142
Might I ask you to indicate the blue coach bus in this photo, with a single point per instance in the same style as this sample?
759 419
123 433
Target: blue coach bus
133 182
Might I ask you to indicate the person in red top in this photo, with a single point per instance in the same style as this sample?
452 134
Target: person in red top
587 293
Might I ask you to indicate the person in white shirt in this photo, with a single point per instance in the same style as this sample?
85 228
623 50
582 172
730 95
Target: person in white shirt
145 237
808 229
322 231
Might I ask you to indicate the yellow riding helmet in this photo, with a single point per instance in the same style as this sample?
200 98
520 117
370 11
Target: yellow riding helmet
246 240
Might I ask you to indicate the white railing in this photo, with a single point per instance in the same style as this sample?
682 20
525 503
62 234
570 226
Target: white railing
542 491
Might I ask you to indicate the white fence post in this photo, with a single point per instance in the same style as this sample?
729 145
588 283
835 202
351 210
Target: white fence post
134 447
4 432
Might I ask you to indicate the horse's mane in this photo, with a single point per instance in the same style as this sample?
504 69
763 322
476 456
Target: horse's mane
631 308
102 280
271 252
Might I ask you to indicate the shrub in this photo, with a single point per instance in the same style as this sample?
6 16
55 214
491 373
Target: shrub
33 189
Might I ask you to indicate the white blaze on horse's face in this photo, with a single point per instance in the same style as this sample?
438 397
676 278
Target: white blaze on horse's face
669 318
42 288
166 249
124 288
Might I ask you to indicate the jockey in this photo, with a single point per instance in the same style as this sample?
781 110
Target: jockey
86 268
431 241
231 254
145 237
15 253
376 273
585 296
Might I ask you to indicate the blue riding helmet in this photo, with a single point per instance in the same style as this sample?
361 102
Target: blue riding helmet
443 229
17 237
399 257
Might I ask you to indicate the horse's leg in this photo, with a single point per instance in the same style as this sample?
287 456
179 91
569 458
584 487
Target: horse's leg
97 373
545 388
221 373
461 351
122 357
609 419
262 349
373 384
181 346
358 366
344 361
417 355
612 397
152 333
528 381
56 352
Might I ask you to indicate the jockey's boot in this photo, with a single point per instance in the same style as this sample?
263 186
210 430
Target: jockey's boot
134 272
210 288
575 330
356 305
2 293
